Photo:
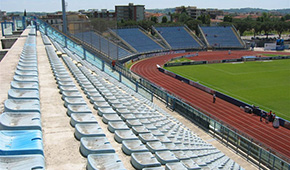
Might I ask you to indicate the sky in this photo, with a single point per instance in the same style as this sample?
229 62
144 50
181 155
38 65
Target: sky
75 5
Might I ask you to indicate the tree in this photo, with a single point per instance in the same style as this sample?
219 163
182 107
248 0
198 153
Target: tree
24 13
256 26
242 26
183 17
280 27
145 24
164 19
228 18
205 19
193 25
154 19
267 27
287 17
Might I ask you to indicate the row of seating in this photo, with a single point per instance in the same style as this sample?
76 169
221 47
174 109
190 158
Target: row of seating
87 129
221 37
138 40
102 44
21 144
178 37
141 127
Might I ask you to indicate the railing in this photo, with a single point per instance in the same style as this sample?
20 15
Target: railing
87 53
232 138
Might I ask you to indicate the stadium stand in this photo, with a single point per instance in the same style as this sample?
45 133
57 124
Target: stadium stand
125 112
137 39
103 45
21 145
179 37
221 37
148 135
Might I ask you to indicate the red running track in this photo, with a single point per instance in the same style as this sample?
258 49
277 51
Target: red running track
278 140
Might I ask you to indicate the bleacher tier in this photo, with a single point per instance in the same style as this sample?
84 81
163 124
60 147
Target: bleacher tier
138 40
178 37
221 37
103 45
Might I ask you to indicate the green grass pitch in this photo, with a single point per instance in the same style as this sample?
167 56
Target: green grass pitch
263 83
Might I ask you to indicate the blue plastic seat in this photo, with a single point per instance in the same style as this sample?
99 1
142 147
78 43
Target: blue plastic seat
21 142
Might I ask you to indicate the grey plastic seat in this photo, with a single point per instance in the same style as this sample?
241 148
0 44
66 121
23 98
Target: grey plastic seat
190 164
123 111
118 106
200 162
93 94
114 101
21 105
128 117
157 132
141 160
156 146
105 110
121 135
150 127
23 94
154 168
82 118
20 162
101 105
66 84
119 125
74 101
88 130
131 146
174 166
25 78
26 68
20 121
180 155
95 145
26 73
106 161
111 118
147 137
78 109
134 122
24 85
97 99
67 89
66 79
190 154
71 95
144 121
140 130
165 157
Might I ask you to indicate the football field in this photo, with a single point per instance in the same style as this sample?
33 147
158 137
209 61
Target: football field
263 83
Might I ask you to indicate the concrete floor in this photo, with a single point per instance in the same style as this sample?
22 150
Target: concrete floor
61 149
